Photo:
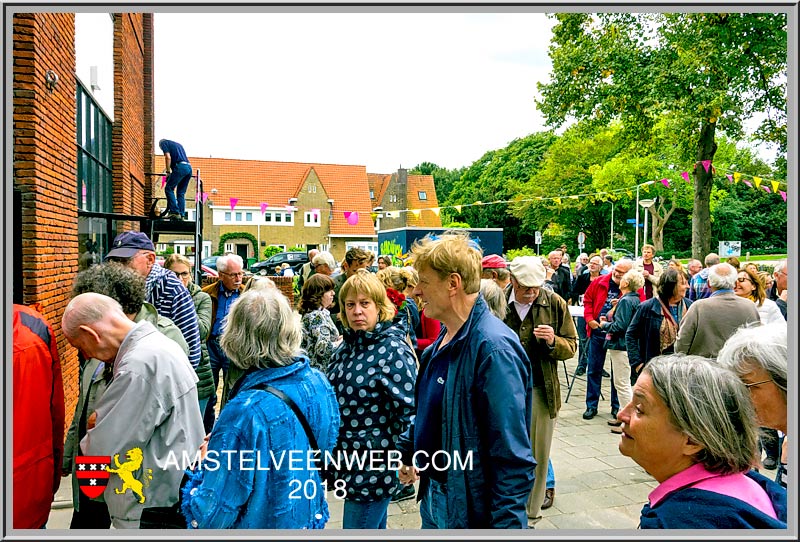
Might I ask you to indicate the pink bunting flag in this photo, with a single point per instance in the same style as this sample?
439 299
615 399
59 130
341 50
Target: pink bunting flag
264 207
315 213
205 197
196 196
783 195
163 181
685 176
766 189
748 183
351 217
234 201
706 164
665 182
730 177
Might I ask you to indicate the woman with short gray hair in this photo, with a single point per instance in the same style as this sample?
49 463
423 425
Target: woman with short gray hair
264 417
759 356
691 426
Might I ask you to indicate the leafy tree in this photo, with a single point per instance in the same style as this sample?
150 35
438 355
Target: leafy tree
498 176
694 72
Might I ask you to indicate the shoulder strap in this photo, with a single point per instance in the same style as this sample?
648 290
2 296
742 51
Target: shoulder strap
297 412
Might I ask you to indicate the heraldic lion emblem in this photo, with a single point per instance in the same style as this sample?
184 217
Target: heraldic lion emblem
125 472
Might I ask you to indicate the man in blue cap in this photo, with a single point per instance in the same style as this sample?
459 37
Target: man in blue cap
163 289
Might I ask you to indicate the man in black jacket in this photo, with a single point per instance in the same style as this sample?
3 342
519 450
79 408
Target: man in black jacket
558 275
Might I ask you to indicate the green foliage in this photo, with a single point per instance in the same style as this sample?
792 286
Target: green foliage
516 252
296 249
454 225
679 75
225 237
271 251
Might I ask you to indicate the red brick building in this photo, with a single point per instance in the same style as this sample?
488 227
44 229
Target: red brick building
77 174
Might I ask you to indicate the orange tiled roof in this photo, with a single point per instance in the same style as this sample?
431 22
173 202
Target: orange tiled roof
254 182
378 182
427 218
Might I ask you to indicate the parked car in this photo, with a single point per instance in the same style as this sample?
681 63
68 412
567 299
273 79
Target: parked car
267 267
210 262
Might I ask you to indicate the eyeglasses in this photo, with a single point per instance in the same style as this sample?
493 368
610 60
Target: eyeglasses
743 279
234 275
182 275
524 288
751 384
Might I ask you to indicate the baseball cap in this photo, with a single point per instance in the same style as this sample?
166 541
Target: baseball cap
128 243
493 261
528 270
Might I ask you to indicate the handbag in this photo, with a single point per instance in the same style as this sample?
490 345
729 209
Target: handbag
668 332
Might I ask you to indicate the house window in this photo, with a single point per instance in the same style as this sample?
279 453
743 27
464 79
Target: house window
393 198
267 217
311 219
288 218
227 216
312 189
248 217
238 217
422 195
278 217
371 194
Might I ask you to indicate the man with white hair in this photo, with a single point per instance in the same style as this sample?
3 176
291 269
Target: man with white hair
223 293
778 293
148 412
307 269
546 330
601 295
698 286
709 322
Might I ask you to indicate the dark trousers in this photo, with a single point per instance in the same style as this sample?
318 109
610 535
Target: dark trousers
163 517
594 371
219 362
90 514
771 443
583 342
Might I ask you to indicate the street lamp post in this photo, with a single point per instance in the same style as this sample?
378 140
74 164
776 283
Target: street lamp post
646 204
611 248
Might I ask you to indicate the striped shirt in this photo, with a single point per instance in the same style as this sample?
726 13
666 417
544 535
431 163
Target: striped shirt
170 297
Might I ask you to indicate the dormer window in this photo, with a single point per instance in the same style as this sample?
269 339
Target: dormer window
422 195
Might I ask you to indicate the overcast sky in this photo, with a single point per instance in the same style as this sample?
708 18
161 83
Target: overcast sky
382 90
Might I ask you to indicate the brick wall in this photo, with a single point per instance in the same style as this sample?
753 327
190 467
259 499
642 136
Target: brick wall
45 170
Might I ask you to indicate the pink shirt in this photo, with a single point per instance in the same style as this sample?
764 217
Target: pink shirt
737 486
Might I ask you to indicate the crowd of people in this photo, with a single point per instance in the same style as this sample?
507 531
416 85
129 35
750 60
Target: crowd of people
436 380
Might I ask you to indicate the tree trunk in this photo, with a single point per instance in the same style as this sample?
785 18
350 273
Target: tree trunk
701 217
660 221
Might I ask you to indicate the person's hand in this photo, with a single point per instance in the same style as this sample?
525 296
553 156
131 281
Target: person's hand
204 446
638 368
408 475
594 324
91 420
546 333
645 273
614 302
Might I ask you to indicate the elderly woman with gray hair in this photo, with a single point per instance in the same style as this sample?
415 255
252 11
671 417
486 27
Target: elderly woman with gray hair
759 355
691 426
280 406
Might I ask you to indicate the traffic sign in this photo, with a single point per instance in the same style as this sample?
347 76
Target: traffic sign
581 238
631 221
538 236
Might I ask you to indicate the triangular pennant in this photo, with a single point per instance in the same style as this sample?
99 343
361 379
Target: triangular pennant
766 189
630 194
234 201
665 182
749 184
415 212
783 195
264 207
205 197
457 208
478 203
736 177
436 210
197 196
685 176
290 208
775 186
315 213
573 197
557 200
730 177
706 164
757 181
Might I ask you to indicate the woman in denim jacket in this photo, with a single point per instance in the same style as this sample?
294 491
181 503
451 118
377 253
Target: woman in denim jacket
374 373
247 480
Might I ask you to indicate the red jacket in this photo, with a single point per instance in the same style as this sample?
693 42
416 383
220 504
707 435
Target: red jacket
38 418
595 297
429 332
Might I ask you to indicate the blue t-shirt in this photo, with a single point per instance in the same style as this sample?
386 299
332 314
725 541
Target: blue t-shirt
175 150
613 293
428 422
